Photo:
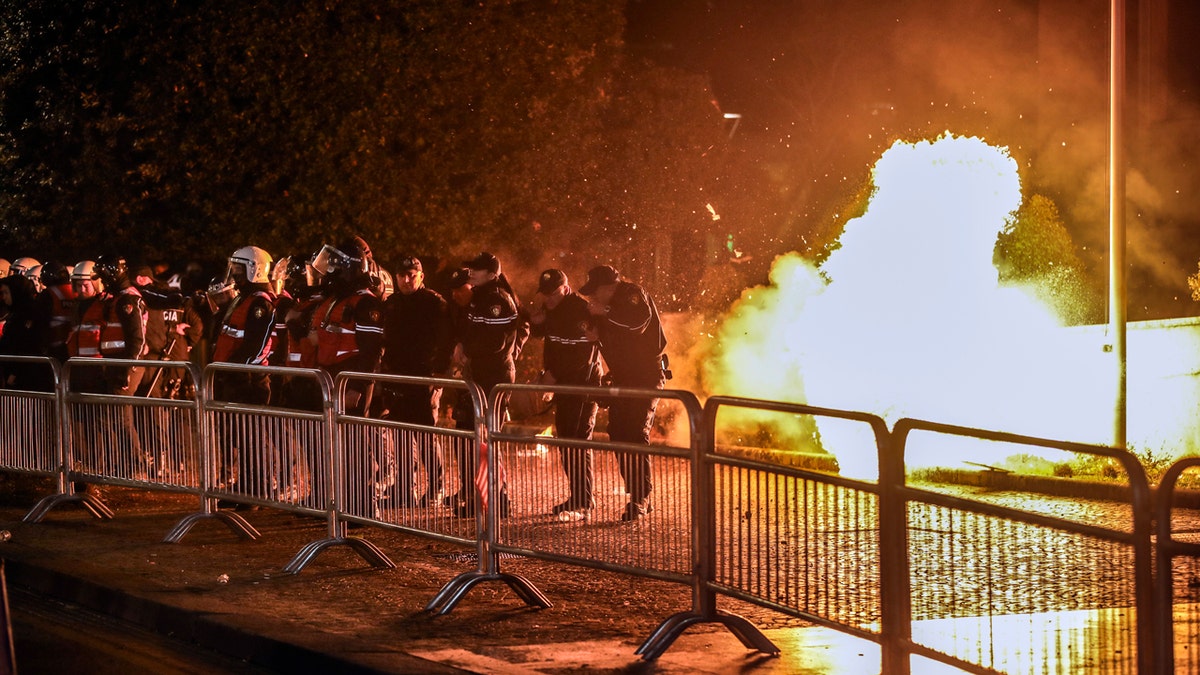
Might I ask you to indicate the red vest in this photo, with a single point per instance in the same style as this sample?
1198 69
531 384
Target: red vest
85 336
336 339
112 333
63 300
233 331
301 352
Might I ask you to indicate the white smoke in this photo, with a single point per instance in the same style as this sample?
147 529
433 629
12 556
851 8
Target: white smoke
908 319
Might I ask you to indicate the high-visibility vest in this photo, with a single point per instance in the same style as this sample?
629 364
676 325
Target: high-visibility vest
336 337
233 331
85 336
112 332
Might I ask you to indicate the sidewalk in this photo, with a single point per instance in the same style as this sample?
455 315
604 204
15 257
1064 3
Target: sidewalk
340 615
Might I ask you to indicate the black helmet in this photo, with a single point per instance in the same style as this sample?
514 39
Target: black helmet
113 270
55 273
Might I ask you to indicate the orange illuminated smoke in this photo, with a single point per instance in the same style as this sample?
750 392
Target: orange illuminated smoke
907 318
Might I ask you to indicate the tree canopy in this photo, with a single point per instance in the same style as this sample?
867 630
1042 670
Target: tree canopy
177 130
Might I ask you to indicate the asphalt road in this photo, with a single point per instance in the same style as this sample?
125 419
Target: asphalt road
60 638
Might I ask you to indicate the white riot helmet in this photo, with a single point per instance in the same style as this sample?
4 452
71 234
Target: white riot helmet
255 262
34 274
84 276
23 265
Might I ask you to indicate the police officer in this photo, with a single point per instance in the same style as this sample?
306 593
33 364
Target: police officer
494 332
348 331
56 308
347 325
633 344
173 328
571 357
112 325
244 334
416 336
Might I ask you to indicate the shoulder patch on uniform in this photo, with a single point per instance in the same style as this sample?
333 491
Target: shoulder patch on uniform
635 299
259 312
373 315
127 308
583 326
495 310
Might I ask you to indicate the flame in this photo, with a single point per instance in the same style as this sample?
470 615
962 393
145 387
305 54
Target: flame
908 319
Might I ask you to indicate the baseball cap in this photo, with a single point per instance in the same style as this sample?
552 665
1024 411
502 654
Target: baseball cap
550 280
484 261
410 262
600 276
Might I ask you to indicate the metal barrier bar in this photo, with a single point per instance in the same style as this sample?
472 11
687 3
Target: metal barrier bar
260 455
381 462
340 490
30 433
984 573
121 440
488 488
794 540
1177 581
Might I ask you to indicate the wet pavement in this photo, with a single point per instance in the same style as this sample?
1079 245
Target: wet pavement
229 601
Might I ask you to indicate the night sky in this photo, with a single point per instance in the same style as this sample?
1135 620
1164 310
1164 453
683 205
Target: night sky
834 83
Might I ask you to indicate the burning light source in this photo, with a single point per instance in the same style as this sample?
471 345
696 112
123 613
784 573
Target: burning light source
908 319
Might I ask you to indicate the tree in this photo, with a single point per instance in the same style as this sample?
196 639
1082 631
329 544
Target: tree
1036 250
176 129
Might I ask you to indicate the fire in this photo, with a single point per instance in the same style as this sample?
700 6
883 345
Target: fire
908 319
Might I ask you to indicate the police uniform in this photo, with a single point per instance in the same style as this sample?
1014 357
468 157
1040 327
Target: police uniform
571 357
416 337
244 334
632 342
349 333
113 325
166 311
494 332
56 312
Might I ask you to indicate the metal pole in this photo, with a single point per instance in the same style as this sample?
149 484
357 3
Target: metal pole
1116 213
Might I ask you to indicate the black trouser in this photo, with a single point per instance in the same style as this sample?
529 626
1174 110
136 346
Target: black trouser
575 417
235 466
469 461
416 404
630 421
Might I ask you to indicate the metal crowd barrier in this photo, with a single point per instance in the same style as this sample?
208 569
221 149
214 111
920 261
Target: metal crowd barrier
121 440
34 445
925 572
992 587
400 475
255 454
790 538
1177 581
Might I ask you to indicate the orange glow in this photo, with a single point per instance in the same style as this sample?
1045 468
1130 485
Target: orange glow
907 318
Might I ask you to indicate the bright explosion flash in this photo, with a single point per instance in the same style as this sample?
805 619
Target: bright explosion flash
908 319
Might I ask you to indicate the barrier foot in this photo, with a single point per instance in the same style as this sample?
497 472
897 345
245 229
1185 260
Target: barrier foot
668 631
240 526
365 549
452 592
91 503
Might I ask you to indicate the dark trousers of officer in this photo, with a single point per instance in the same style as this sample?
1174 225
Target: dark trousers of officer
629 421
296 457
236 464
575 417
126 439
416 404
469 461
